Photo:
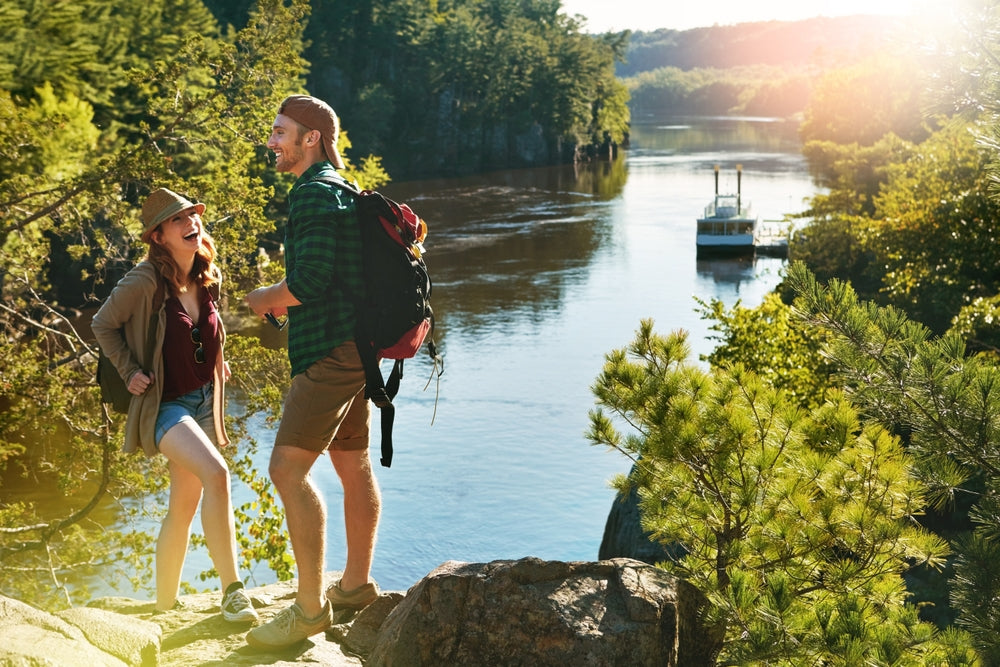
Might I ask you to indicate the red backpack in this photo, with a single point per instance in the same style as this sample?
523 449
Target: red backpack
394 313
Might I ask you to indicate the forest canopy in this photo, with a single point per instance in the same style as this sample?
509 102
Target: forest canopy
768 69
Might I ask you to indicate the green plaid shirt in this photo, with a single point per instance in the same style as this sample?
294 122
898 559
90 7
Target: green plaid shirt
322 251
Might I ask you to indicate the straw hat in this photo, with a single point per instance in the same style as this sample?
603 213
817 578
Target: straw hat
162 204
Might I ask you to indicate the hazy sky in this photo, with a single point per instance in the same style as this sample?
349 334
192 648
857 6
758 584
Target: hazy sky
605 15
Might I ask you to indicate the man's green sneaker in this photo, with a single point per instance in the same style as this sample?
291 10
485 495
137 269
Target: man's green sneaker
356 599
288 628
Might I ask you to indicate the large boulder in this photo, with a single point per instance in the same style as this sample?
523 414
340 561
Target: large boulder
535 612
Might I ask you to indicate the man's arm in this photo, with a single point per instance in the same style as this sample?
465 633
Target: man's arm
274 299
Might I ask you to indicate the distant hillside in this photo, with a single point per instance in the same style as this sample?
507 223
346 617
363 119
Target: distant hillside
819 41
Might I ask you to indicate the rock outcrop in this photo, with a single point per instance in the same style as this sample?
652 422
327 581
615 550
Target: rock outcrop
624 537
79 636
524 612
534 612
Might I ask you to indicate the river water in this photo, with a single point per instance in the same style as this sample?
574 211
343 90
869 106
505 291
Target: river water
537 275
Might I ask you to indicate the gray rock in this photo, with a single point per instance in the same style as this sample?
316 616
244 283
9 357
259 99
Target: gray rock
624 537
195 633
134 643
539 613
34 637
525 612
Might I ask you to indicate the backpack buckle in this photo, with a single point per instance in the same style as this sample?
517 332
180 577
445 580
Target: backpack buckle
380 398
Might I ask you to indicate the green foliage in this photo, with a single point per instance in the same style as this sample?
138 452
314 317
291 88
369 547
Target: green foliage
934 231
909 218
946 401
979 325
854 174
911 225
452 87
757 90
977 587
797 523
862 103
770 342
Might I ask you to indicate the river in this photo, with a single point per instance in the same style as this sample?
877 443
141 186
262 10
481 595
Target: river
537 274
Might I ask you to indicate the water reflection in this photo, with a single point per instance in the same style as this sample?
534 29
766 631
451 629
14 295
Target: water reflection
727 271
511 241
686 135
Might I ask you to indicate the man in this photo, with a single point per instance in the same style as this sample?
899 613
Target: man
325 409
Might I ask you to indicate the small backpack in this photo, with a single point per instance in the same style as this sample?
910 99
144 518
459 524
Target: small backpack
114 391
394 314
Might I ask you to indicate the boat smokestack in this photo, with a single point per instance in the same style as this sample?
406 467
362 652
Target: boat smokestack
716 179
739 177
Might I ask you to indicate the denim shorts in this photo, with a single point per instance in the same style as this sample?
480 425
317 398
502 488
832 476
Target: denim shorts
195 407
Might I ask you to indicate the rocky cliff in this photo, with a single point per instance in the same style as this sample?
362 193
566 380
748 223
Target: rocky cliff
523 612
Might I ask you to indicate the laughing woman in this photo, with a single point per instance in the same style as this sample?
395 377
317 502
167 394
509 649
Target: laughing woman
177 393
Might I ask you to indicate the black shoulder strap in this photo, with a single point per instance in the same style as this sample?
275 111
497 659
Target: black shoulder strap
338 181
154 316
380 393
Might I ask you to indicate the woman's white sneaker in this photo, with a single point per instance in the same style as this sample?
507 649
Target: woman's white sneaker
237 606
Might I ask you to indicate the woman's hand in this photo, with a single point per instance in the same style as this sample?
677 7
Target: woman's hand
139 383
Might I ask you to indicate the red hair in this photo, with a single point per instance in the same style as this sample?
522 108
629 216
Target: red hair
204 272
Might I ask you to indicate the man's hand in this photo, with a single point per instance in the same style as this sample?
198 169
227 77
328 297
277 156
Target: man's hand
274 299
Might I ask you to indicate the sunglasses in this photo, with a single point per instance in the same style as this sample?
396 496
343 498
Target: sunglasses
199 352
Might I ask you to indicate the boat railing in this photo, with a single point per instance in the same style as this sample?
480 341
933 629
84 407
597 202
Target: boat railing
727 206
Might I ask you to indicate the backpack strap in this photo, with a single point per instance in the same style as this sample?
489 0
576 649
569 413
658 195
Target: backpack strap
381 394
154 316
377 390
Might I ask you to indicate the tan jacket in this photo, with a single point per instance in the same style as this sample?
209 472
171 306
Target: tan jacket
120 326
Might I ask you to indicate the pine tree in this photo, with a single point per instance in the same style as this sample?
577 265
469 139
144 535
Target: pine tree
798 523
945 401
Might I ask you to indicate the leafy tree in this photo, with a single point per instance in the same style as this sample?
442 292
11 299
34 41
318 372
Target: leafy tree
797 523
766 341
854 173
465 86
978 324
70 189
833 243
862 103
761 90
945 401
934 232
910 225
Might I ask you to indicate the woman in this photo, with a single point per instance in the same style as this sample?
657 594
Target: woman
177 403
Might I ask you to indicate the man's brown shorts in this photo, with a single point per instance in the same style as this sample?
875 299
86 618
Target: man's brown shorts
326 406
